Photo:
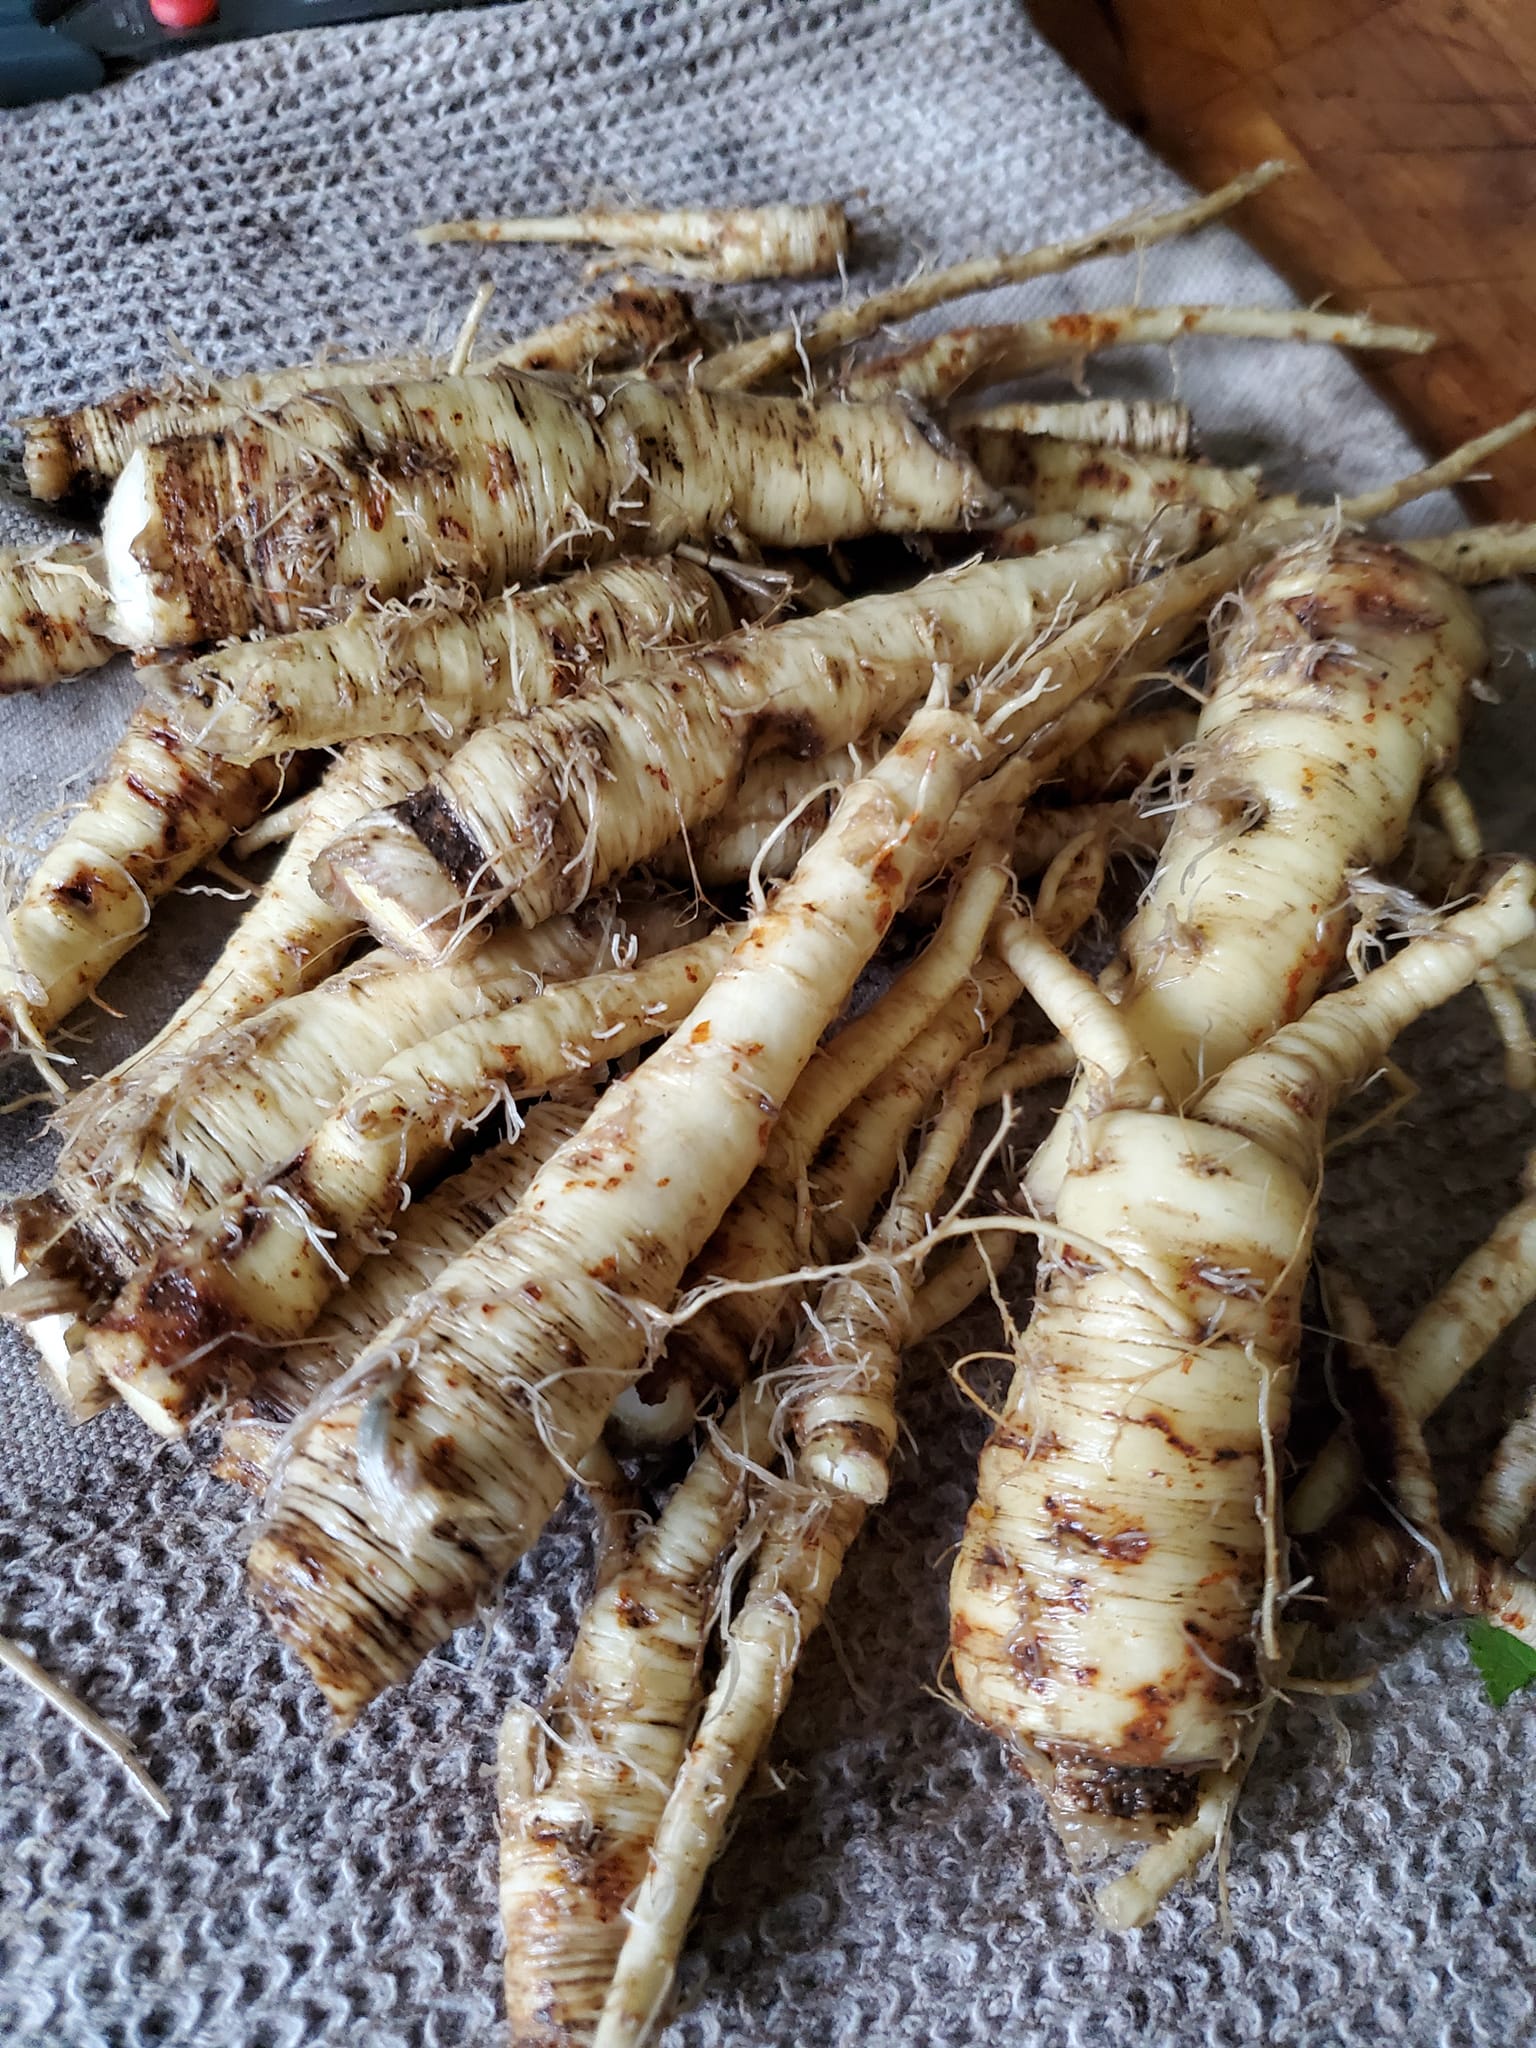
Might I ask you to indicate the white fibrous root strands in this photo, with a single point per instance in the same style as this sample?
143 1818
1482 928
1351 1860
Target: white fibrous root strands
795 1570
724 245
1077 1477
839 1142
1481 554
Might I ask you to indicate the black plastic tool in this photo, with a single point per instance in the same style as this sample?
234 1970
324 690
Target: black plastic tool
52 47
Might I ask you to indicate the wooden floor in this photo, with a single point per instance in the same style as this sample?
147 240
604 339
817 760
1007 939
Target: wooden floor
1412 124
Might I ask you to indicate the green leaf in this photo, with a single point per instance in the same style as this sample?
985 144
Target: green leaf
1506 1664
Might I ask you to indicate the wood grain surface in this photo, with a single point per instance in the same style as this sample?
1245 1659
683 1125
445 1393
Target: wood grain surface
1412 127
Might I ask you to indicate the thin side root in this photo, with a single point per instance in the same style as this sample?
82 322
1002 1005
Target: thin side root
90 1724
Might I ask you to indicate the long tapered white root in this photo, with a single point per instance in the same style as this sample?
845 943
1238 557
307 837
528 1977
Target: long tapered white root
355 1575
491 480
533 812
727 245
848 1360
263 1265
796 1569
582 1786
931 371
438 666
63 451
752 361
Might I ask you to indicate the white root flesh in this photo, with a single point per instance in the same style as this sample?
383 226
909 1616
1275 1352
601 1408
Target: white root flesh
726 245
357 1577
492 480
1129 753
531 813
1132 1899
635 325
55 614
751 362
436 664
262 1266
1428 1568
959 1283
530 790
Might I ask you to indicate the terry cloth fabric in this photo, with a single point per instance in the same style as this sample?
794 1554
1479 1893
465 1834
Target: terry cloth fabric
247 205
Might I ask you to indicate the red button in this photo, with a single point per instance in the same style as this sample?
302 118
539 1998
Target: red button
183 14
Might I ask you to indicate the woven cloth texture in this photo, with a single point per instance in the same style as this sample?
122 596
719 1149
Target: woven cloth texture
248 205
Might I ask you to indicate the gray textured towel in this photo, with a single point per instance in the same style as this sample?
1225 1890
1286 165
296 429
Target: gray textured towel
253 201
